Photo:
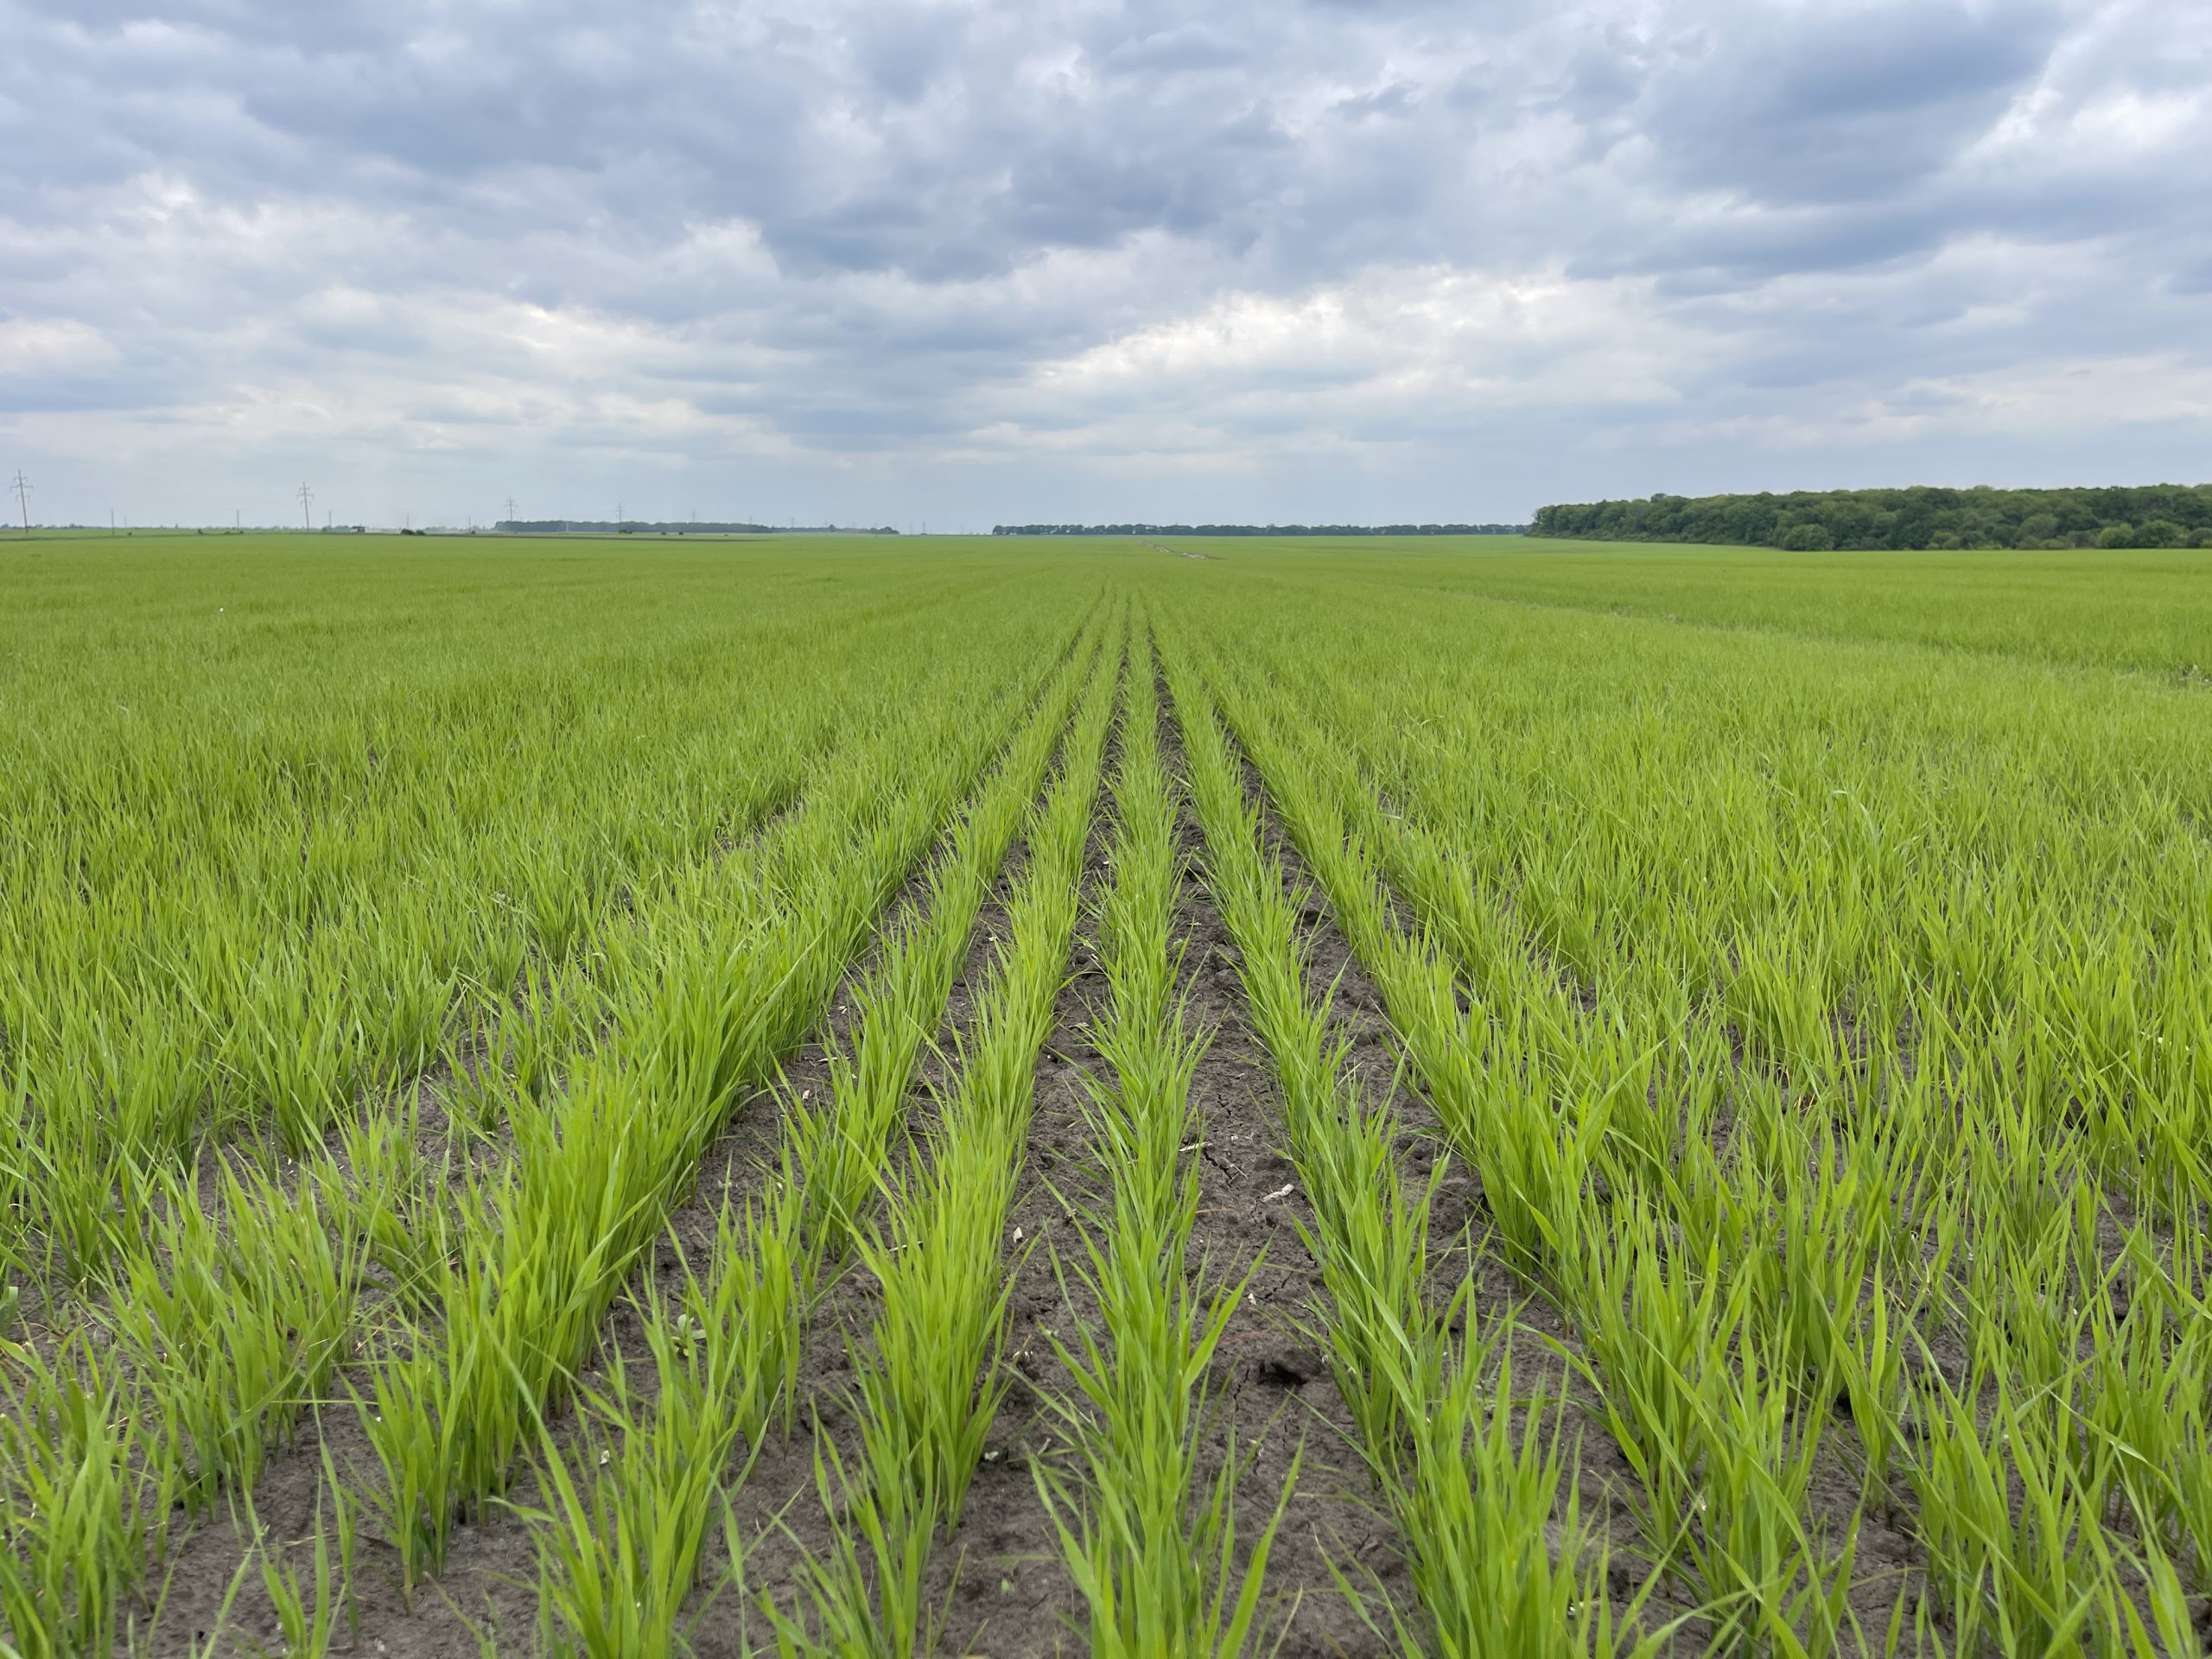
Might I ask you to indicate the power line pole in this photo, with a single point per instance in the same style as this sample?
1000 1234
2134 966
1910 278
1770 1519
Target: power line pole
22 487
307 508
511 509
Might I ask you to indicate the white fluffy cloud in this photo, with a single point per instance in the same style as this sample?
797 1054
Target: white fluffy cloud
870 261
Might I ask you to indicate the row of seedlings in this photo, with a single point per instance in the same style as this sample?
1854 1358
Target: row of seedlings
1728 1300
237 926
930 1376
1474 1475
1150 1541
632 1507
713 992
218 1310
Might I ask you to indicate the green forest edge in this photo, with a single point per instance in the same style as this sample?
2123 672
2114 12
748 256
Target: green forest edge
2159 515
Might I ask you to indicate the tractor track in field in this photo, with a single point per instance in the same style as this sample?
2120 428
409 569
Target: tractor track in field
999 1576
998 1579
1272 1403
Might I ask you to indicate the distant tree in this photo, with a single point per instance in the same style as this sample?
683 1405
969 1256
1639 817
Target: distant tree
2116 536
1808 538
2161 532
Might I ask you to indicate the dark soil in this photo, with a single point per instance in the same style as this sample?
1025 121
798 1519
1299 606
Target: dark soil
1271 1369
999 1577
780 1512
997 1582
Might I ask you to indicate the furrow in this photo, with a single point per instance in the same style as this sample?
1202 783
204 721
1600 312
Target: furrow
930 1376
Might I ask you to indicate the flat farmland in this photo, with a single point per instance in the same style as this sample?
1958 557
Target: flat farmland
863 1097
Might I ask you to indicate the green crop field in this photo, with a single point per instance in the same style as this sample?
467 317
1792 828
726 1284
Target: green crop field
868 1096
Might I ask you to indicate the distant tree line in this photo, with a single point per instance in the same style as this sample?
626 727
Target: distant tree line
624 527
2157 515
1259 529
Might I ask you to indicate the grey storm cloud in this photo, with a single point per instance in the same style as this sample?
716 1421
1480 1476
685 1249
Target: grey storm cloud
1849 108
1086 257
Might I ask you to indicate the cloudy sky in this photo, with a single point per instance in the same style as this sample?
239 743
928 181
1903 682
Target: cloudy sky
882 262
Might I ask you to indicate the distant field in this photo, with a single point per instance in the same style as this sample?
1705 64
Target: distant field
982 1096
2146 609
